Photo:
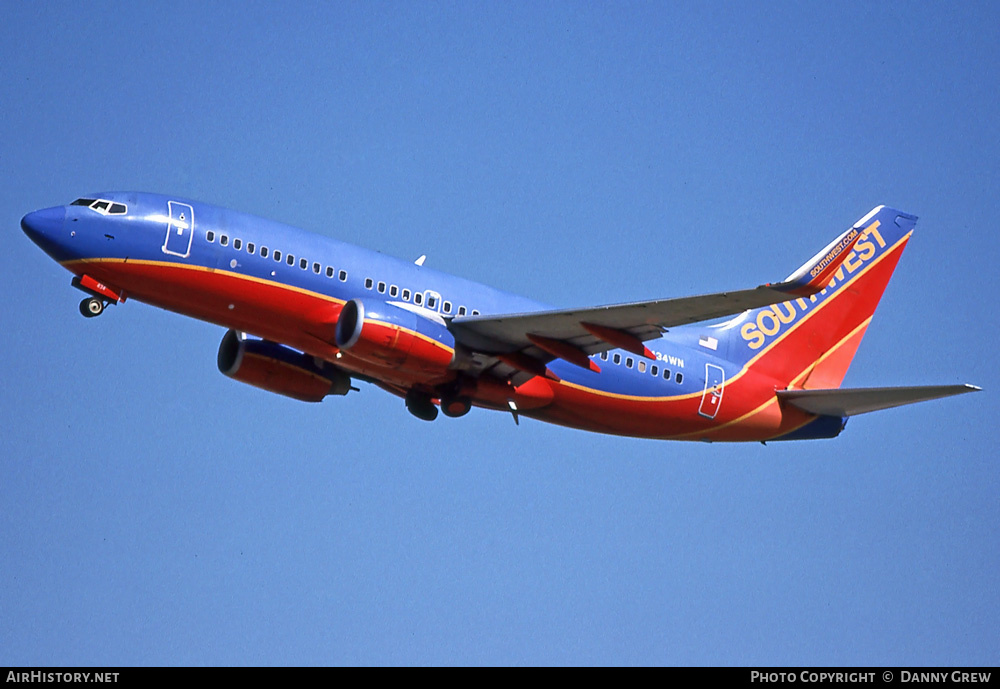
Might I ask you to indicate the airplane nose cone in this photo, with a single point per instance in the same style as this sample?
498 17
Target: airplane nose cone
45 224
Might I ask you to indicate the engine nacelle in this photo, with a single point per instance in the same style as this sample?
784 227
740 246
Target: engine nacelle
276 368
386 335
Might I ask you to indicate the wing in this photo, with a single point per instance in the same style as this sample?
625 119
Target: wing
526 341
643 321
853 401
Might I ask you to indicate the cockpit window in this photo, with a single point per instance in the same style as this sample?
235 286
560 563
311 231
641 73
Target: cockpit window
102 206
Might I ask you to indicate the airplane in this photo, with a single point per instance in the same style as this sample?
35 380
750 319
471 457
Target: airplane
307 315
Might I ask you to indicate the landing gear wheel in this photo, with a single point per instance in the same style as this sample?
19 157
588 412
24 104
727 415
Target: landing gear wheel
456 406
91 307
420 405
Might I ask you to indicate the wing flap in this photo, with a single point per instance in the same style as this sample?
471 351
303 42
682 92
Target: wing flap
854 401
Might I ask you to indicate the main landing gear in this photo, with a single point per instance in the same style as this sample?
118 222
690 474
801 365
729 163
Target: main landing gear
455 406
92 306
421 406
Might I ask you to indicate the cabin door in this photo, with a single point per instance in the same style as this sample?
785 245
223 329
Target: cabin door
180 229
711 398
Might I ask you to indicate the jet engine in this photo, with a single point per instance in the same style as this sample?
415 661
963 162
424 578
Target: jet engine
386 335
276 368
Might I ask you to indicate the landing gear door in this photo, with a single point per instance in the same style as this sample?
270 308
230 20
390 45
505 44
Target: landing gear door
180 229
711 399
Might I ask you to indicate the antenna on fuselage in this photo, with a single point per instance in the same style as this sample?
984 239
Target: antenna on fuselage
420 261
513 411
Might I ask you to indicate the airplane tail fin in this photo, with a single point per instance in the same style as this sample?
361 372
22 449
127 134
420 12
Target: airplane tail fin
809 342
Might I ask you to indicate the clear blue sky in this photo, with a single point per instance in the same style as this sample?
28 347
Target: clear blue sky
155 512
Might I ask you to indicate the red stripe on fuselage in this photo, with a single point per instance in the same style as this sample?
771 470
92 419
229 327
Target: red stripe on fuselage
266 309
274 311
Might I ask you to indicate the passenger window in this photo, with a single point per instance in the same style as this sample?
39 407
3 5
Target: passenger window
224 240
381 287
653 369
276 255
343 276
329 271
368 283
237 244
393 290
604 356
642 367
617 358
303 263
263 252
418 298
628 362
475 312
431 302
250 247
210 236
290 259
316 268
666 374
679 377
406 295
461 310
447 307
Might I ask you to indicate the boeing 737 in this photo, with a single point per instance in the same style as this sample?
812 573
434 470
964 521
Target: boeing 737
307 315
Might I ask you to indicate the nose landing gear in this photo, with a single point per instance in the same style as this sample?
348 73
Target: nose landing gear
100 295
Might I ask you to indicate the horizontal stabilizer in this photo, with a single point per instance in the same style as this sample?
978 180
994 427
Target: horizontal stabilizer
853 401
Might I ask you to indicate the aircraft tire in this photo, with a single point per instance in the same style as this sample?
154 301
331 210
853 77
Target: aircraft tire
91 307
455 407
420 406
